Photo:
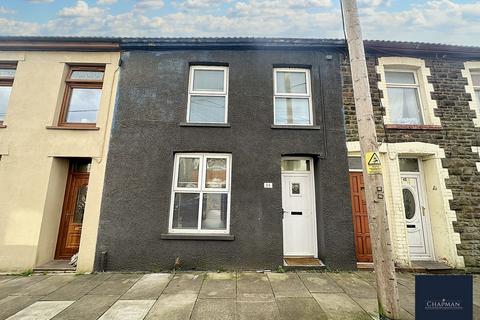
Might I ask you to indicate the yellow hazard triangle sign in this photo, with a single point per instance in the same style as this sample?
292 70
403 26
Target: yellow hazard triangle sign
374 165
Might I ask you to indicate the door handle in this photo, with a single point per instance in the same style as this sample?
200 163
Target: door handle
423 211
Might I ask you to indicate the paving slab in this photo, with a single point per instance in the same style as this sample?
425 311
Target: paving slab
371 306
287 285
47 286
4 279
219 285
262 297
407 280
173 307
19 283
185 283
340 306
257 310
149 287
128 310
41 310
300 308
253 282
319 282
78 287
12 304
117 284
407 302
214 309
353 285
87 307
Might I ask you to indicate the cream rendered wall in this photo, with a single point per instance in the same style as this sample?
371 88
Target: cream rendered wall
445 238
30 174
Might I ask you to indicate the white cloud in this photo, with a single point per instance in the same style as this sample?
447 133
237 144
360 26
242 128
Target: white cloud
200 4
14 27
106 2
4 10
40 1
372 3
149 4
81 9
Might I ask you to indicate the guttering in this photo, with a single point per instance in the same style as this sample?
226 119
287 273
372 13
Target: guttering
58 44
420 48
228 44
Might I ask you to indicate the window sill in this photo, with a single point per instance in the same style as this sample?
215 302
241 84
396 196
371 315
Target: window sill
72 128
197 236
413 127
294 127
212 125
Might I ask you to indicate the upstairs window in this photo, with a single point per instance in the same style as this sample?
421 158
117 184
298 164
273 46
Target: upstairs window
292 97
476 85
404 97
83 90
7 74
208 94
201 193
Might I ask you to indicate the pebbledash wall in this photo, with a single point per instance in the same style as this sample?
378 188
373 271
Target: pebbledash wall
149 129
447 147
34 155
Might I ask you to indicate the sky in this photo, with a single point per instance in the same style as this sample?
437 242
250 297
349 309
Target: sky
438 21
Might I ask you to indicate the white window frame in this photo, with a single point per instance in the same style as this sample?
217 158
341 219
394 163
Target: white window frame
201 190
475 88
405 85
223 93
307 95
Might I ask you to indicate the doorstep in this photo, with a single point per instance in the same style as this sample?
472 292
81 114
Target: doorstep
55 266
303 263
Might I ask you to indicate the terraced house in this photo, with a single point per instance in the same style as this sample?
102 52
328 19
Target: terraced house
426 99
56 105
227 154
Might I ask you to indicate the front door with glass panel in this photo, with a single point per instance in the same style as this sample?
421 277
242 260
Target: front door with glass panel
416 213
71 222
298 196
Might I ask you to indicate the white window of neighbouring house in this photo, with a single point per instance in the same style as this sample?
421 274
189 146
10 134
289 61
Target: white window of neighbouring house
476 86
292 100
201 193
404 97
208 94
7 73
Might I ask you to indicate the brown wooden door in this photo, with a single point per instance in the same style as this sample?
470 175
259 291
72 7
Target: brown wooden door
363 245
72 215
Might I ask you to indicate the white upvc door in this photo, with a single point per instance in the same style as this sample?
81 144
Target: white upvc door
299 222
417 217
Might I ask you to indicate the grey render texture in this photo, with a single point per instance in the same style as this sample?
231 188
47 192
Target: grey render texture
147 132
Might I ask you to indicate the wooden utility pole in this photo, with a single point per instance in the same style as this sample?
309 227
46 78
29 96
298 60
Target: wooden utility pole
387 291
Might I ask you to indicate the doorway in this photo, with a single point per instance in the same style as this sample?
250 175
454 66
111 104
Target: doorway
298 205
75 197
416 211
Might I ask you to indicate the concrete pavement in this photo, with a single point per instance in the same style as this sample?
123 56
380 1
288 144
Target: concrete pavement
201 296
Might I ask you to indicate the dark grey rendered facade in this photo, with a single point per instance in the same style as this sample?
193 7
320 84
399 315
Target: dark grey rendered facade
149 129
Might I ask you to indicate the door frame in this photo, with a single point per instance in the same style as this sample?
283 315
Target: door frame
63 226
311 174
426 221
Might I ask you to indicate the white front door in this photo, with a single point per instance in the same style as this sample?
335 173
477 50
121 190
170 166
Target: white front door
416 217
299 231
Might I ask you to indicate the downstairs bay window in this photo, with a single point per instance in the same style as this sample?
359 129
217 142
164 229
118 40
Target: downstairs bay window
201 193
